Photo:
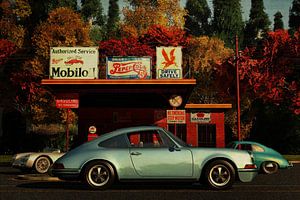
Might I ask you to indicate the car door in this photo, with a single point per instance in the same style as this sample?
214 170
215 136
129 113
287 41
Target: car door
155 155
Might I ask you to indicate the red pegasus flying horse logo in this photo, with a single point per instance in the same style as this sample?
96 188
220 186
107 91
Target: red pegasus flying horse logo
169 60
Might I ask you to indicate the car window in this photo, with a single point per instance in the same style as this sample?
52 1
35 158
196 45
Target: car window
176 139
145 139
257 148
115 142
230 145
245 147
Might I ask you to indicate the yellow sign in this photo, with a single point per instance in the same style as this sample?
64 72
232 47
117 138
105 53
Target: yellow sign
168 63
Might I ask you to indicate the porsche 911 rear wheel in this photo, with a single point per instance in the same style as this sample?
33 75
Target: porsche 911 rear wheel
220 175
42 165
269 167
99 175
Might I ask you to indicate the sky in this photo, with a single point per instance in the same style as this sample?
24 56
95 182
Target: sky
271 7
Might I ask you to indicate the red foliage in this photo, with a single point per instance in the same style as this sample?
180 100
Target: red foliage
29 86
270 73
124 47
158 35
7 48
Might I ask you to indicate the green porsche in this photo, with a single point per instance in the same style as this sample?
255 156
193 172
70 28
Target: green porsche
151 153
266 159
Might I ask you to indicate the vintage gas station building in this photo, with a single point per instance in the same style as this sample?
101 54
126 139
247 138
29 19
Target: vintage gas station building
113 103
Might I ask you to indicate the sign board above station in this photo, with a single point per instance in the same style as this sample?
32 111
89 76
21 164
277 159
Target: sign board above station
168 63
74 62
129 67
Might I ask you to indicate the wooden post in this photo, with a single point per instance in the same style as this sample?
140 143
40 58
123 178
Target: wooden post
238 87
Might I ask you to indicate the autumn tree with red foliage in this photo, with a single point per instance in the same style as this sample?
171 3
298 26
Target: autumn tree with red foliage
64 27
145 45
269 73
7 48
158 35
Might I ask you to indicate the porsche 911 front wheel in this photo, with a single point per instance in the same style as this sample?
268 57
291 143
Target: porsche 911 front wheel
99 175
220 175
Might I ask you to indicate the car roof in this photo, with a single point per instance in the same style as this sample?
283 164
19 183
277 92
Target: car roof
248 142
129 129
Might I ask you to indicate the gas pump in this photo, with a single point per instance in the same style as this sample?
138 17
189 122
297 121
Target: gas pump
92 133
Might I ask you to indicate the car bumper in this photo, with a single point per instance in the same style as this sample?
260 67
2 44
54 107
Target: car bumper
290 165
247 175
66 174
20 164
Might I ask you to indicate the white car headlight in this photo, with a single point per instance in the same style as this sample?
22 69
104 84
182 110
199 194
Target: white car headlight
24 158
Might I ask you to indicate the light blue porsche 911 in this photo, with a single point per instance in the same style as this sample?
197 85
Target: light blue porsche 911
150 153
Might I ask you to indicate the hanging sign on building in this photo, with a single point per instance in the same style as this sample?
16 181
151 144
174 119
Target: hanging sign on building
176 116
200 117
168 63
74 62
128 67
67 103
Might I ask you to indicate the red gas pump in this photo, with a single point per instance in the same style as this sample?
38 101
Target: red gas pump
92 133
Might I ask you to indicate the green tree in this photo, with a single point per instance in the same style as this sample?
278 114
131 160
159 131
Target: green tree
143 14
294 18
135 3
113 19
196 21
258 24
278 23
227 20
92 10
62 3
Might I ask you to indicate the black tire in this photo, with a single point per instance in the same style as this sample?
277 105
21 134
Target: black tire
219 175
99 175
269 167
42 164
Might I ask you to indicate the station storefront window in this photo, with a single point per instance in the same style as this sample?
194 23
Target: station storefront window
180 130
207 135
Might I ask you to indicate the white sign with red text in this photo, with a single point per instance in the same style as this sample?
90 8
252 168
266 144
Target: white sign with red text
74 62
176 116
128 67
200 117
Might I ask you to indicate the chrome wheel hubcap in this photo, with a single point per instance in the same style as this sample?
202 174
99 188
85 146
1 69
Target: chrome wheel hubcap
43 165
98 175
219 175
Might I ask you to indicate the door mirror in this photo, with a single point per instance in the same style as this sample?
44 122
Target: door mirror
174 148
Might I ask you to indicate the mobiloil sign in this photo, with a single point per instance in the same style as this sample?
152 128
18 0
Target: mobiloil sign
168 63
74 62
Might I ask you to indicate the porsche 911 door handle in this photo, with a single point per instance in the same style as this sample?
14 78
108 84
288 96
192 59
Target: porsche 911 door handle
136 153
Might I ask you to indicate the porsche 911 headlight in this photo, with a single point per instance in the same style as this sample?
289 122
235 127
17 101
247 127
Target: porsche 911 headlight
24 158
14 157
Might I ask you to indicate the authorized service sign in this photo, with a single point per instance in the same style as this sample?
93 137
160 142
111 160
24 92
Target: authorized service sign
74 62
128 67
176 116
168 63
